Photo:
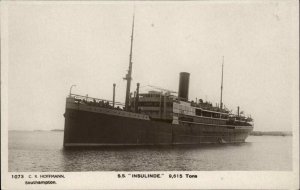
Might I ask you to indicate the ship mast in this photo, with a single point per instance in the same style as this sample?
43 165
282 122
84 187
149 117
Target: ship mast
128 75
221 103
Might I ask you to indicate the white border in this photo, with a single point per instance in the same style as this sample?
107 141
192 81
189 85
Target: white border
109 180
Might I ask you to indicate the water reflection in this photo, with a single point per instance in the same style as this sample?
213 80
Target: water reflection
153 158
42 151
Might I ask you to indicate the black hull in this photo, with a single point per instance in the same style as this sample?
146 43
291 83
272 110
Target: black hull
92 129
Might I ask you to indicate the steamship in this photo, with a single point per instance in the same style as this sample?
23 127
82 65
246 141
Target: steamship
151 118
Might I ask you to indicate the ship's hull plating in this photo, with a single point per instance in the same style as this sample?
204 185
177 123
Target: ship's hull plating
86 128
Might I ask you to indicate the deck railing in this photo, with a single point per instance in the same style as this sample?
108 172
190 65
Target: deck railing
87 99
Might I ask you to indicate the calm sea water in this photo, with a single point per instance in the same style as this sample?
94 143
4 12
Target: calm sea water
42 151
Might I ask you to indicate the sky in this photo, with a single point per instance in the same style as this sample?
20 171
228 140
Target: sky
52 45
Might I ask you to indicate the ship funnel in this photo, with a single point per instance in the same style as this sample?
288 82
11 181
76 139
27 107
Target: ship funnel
183 91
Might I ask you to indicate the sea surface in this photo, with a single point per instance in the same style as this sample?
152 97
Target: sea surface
42 151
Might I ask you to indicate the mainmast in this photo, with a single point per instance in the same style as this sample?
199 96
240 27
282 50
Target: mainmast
221 103
128 75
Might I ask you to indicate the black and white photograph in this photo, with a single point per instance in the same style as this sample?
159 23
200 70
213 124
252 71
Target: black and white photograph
150 94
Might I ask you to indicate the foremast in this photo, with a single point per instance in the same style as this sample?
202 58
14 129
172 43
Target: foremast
128 75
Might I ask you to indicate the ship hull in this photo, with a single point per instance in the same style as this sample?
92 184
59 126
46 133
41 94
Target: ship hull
84 128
